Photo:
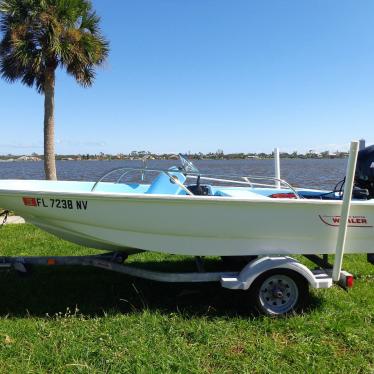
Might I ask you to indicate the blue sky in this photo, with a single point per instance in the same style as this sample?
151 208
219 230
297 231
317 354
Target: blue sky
202 75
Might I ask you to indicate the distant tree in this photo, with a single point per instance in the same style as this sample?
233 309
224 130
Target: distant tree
219 153
41 35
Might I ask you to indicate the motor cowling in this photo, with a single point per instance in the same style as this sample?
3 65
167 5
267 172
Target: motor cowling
364 177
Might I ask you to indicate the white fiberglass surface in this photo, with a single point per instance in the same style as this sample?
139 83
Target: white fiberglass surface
68 186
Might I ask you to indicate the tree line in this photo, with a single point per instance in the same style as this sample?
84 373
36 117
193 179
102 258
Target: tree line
135 155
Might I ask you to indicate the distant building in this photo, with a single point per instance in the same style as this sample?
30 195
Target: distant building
314 154
333 154
28 158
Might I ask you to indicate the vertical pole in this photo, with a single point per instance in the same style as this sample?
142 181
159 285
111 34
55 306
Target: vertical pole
277 167
342 233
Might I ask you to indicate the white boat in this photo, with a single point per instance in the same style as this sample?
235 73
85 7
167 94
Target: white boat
184 212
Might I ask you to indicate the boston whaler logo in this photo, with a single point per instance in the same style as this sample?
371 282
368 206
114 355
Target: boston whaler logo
353 221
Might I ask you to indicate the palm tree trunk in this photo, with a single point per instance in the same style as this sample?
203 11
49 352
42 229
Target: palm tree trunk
49 125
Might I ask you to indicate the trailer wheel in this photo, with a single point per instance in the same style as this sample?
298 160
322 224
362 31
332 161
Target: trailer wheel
279 292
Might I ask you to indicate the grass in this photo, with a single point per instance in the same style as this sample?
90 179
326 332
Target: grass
83 320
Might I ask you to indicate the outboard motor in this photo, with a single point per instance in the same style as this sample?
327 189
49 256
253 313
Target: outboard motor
364 178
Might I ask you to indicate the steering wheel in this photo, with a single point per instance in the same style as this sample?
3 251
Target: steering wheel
187 165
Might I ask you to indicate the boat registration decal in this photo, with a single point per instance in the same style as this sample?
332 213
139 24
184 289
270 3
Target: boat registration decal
29 201
42 202
353 221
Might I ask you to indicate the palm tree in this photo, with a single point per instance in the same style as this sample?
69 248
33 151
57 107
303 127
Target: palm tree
41 35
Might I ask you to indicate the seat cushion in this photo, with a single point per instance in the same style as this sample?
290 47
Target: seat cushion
163 185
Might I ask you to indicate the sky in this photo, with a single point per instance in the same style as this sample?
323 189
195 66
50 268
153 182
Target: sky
202 75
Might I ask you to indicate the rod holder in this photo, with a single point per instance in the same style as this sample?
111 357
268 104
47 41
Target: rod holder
277 167
344 214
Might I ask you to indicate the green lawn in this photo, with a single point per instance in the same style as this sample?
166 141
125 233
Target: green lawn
84 320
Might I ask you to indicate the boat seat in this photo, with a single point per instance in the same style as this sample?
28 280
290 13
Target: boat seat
163 186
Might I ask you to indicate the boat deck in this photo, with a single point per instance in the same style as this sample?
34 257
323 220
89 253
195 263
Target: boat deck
137 188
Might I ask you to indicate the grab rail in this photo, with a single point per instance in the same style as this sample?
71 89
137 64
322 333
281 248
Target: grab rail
246 180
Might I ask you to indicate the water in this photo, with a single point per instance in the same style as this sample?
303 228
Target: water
311 173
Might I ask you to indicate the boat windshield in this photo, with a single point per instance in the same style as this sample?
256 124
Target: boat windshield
187 165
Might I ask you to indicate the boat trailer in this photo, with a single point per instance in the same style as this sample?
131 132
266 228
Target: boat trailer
113 261
277 283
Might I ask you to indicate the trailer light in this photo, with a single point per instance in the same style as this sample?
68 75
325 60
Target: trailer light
51 261
349 281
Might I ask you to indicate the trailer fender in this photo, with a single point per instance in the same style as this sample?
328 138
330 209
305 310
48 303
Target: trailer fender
255 268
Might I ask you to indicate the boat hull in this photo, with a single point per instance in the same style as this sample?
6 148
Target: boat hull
197 225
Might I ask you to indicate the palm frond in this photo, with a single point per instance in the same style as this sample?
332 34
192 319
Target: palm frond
41 34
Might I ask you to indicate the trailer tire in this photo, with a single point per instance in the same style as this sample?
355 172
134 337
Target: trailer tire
279 292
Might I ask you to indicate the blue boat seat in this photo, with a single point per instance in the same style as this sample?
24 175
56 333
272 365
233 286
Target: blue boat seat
163 186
